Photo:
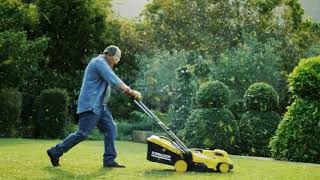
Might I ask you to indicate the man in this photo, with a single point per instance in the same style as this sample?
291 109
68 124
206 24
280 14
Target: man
92 110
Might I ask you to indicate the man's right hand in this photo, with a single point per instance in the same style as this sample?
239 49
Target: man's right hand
132 93
135 94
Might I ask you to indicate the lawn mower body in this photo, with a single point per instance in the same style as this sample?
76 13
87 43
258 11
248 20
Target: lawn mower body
165 151
174 152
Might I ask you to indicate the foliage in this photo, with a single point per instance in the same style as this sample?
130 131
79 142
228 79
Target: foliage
139 121
183 101
201 70
156 79
75 29
297 44
312 51
216 25
50 113
26 126
137 116
21 55
260 121
10 109
237 107
120 105
219 28
297 137
124 34
19 58
213 94
250 62
256 129
261 97
212 128
125 129
173 30
17 16
304 80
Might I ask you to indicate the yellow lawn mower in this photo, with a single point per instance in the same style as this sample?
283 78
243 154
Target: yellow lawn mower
173 151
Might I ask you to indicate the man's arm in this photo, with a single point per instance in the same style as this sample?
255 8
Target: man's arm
125 88
128 91
108 75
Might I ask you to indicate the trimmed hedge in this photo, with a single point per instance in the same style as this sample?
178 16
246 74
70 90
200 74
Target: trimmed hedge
213 94
237 107
211 128
50 114
256 129
26 115
298 135
10 109
304 81
261 97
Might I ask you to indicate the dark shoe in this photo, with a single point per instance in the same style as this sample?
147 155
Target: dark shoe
54 160
114 165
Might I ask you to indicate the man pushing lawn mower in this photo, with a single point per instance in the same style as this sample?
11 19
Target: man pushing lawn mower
92 109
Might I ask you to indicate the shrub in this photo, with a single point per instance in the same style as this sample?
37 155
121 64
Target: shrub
304 80
50 115
26 115
211 128
213 94
237 107
201 69
261 97
298 135
137 116
125 129
256 129
10 108
139 121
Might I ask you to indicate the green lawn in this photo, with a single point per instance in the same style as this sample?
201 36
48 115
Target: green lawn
27 159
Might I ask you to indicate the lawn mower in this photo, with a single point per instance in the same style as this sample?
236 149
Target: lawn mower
172 151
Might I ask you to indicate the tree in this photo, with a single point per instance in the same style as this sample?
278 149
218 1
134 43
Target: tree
250 62
19 56
75 29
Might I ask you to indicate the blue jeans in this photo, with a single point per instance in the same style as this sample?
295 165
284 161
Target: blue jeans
87 122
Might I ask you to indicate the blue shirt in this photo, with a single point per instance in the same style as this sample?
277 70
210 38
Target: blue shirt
97 77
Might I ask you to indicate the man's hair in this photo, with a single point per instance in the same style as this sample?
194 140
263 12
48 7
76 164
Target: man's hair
112 49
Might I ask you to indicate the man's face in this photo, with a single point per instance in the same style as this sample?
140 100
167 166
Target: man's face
112 60
115 59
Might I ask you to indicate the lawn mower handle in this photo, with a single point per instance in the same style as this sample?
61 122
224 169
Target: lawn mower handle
180 144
